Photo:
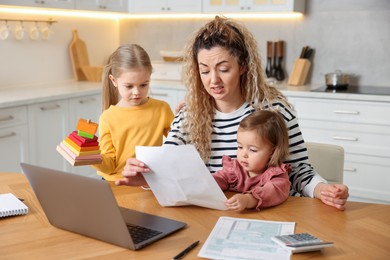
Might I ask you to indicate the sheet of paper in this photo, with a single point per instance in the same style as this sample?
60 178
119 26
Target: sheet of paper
179 177
238 238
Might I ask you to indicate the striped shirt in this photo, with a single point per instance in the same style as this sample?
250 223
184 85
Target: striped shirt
224 142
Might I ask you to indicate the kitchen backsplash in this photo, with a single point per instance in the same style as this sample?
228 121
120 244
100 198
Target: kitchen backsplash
29 62
350 35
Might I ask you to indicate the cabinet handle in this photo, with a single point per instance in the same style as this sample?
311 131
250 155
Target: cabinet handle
6 118
344 138
350 169
89 100
7 135
55 106
346 112
160 94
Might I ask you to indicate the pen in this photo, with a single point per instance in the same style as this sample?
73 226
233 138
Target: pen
185 251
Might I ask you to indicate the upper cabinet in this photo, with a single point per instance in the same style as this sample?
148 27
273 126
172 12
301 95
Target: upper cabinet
239 6
65 4
102 5
164 6
169 6
90 5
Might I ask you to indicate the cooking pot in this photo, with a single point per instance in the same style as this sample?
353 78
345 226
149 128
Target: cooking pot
337 80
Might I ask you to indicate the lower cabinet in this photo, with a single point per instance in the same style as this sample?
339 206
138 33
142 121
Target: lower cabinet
48 124
13 138
172 96
362 128
51 122
86 107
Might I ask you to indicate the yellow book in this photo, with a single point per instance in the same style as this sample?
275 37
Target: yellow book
78 153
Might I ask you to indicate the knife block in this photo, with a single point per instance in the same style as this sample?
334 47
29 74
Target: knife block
299 72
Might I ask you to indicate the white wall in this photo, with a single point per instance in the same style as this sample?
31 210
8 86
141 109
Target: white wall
351 35
28 62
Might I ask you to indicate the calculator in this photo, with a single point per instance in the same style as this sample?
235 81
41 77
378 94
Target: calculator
298 243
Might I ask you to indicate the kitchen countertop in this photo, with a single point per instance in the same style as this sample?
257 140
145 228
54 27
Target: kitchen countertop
25 95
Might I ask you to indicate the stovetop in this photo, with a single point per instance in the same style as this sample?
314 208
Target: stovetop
356 90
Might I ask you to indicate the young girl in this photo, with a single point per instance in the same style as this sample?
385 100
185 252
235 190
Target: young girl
129 116
258 172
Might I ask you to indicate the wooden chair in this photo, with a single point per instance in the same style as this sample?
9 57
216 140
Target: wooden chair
327 160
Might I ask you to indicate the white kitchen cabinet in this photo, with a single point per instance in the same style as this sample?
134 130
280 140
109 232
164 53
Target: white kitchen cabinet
362 128
65 4
172 96
165 6
103 5
48 125
238 6
13 138
86 107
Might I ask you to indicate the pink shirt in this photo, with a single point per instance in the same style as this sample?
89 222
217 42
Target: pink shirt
270 188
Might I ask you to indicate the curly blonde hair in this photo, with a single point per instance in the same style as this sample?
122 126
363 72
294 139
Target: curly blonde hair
228 34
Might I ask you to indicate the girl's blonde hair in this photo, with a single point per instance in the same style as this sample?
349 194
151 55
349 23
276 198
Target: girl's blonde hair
124 58
270 126
228 34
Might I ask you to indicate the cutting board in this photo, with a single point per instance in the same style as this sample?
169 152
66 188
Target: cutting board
79 56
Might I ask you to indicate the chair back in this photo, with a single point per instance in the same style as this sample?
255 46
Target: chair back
327 160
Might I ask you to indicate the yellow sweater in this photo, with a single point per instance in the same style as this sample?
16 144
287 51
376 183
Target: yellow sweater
121 129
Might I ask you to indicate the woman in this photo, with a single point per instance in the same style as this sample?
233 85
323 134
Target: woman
225 83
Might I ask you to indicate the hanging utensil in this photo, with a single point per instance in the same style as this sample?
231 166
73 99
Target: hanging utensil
274 60
268 68
279 73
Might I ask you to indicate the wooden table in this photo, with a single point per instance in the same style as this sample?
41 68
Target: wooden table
362 231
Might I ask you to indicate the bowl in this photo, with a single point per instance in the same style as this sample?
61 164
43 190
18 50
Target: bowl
172 56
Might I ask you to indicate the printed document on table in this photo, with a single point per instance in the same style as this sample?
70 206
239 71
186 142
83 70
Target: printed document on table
179 177
238 238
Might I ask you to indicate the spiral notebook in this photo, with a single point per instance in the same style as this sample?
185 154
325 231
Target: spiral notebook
10 205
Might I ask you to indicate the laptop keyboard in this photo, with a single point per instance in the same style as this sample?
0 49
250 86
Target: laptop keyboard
140 234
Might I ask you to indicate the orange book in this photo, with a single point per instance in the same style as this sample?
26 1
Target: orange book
87 126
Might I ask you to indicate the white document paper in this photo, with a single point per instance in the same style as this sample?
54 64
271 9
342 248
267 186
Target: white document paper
179 177
238 238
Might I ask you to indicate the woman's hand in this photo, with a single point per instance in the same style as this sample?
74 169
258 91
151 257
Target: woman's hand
334 195
180 106
132 173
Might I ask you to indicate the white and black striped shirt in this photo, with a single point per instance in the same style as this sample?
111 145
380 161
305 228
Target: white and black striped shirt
224 142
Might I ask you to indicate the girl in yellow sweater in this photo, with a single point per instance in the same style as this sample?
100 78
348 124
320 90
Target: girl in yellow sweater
130 117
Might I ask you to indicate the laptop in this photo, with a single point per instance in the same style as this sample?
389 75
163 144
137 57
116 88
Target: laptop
88 207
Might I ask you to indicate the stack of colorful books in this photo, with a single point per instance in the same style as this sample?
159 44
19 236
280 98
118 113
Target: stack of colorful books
81 147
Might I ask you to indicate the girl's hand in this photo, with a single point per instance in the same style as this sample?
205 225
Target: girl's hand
132 173
238 202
